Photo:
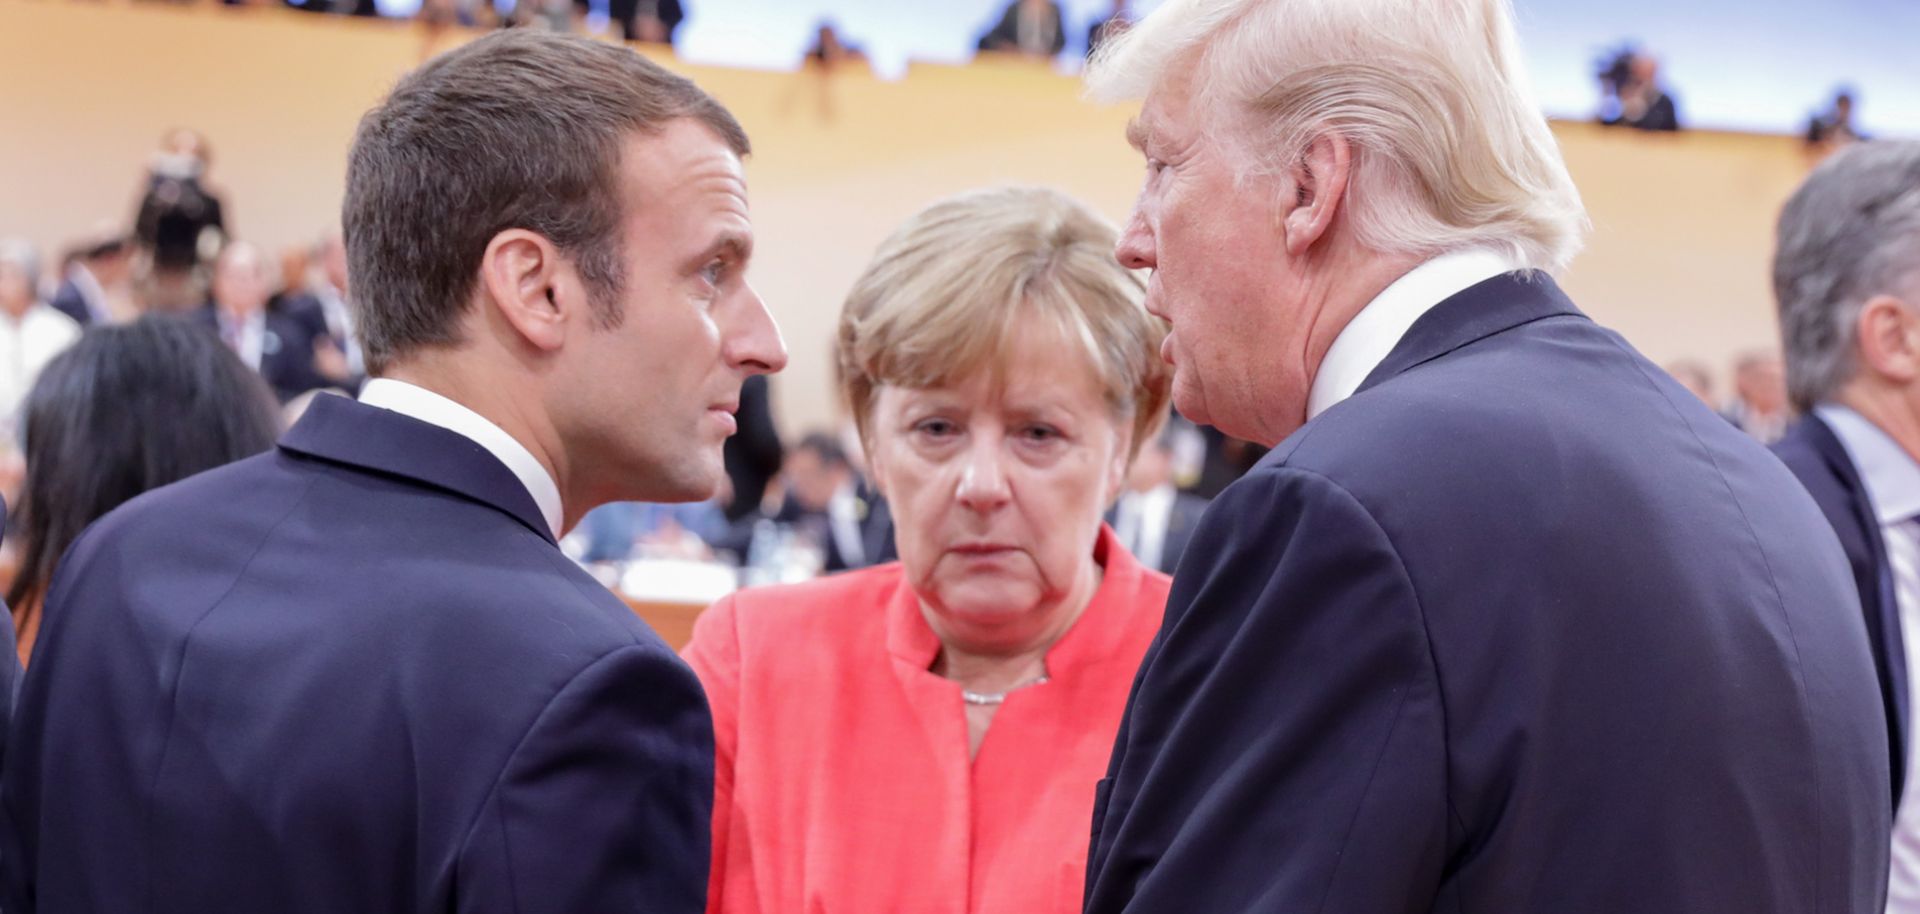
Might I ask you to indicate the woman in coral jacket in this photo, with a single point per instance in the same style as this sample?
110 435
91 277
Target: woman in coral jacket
926 736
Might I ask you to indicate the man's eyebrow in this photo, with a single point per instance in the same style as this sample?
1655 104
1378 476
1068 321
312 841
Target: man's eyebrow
736 245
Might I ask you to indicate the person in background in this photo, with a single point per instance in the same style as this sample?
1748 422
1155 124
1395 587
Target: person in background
645 21
95 287
1506 620
1695 377
656 21
1759 406
1638 99
181 222
755 453
1845 279
1029 28
925 735
31 332
290 352
330 295
1110 26
357 673
615 532
820 501
1153 518
1833 128
131 407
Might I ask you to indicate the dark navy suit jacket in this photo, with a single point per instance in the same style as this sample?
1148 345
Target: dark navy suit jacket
1522 627
352 675
1814 453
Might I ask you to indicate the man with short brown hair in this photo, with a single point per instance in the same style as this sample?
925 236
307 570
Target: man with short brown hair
357 674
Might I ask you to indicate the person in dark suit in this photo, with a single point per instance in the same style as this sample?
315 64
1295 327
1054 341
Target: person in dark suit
288 345
102 263
755 453
1849 313
1033 28
357 673
1153 518
1506 620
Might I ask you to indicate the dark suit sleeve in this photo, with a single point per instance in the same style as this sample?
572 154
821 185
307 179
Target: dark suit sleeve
606 804
1283 749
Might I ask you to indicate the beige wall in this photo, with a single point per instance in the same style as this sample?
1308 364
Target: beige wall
1677 261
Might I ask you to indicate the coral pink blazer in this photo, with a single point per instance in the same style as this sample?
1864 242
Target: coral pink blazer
842 779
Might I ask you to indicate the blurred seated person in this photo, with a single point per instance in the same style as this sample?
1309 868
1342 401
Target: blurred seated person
1637 98
1113 25
925 735
1834 128
1153 518
95 287
621 530
1759 405
1694 377
31 331
321 308
131 407
822 503
329 291
286 349
1031 28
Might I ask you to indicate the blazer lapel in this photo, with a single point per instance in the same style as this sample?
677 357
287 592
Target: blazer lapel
347 432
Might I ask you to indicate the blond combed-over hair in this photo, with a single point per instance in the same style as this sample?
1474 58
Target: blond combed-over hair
948 290
1450 149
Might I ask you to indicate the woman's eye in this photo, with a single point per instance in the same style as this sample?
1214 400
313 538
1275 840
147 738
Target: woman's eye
1040 434
935 428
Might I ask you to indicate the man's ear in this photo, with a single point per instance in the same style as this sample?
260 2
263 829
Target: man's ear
530 285
1318 181
1890 339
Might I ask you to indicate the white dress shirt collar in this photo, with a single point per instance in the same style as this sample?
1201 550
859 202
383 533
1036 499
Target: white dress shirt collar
420 403
1372 334
1890 475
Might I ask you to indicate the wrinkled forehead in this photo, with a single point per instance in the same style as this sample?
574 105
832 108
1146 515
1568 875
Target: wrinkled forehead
1028 364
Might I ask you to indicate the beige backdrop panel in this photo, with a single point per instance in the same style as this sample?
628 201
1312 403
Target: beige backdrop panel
1678 259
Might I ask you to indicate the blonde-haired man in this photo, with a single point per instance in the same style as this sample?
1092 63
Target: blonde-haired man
1507 621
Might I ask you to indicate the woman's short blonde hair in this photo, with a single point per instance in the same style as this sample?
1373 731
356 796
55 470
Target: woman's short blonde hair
949 290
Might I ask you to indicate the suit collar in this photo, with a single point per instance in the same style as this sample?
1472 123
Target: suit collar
342 431
1372 334
1482 310
1891 477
